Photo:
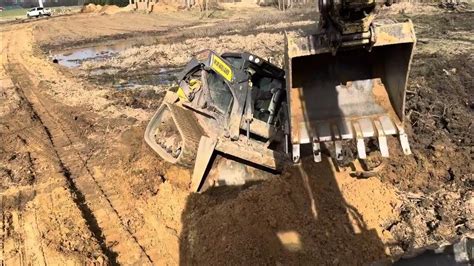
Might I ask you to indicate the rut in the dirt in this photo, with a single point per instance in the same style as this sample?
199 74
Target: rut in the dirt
102 218
78 198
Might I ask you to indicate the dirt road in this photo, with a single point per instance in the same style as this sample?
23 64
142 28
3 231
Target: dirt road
78 185
96 202
41 209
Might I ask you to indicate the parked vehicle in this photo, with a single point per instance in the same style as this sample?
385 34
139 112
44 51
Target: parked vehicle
38 11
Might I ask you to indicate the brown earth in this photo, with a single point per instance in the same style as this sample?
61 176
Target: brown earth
439 175
78 184
41 209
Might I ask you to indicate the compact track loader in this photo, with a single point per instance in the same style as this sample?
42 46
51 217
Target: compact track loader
233 105
236 112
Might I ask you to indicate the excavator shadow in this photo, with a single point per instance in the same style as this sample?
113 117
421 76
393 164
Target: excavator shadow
298 218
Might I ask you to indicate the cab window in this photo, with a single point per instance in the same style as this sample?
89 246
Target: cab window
220 94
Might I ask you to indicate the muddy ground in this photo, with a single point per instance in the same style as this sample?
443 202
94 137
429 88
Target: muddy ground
79 185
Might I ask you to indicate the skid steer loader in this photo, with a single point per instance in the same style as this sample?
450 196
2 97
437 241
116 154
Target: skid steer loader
345 82
234 105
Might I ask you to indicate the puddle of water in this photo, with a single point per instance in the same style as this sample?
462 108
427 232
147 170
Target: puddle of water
74 58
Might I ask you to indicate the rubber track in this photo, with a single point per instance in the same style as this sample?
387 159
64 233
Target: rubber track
190 131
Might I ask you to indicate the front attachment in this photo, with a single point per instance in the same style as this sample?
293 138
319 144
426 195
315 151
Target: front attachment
357 93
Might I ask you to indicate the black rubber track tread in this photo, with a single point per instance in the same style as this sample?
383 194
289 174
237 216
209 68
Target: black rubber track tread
190 131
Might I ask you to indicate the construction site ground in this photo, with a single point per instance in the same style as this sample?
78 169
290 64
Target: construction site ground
78 185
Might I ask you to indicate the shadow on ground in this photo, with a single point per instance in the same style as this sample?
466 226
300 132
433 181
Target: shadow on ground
298 218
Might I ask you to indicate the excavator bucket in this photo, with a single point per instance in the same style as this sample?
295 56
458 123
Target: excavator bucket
356 92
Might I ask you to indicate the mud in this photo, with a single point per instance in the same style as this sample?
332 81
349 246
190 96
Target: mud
437 181
79 185
293 219
40 216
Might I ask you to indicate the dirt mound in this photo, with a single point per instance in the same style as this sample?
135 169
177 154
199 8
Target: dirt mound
161 7
239 5
308 214
130 7
107 9
439 107
91 8
459 7
112 9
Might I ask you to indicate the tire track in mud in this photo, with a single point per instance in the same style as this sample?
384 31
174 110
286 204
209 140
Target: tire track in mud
78 198
22 242
33 168
2 230
19 226
102 219
38 230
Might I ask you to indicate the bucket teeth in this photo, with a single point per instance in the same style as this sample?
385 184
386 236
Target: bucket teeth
361 148
381 138
317 151
337 142
404 143
360 141
338 148
296 153
383 146
336 132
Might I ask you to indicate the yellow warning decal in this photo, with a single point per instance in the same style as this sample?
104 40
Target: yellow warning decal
221 68
182 95
193 85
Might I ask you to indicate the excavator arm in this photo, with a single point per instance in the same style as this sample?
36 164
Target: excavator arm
350 21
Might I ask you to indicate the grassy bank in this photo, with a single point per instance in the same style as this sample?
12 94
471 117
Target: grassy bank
11 13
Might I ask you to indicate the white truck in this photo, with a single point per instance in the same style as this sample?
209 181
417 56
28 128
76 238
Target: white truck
38 11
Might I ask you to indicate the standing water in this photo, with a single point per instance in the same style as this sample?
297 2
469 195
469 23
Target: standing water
111 76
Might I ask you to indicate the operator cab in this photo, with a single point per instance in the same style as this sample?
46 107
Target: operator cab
266 81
